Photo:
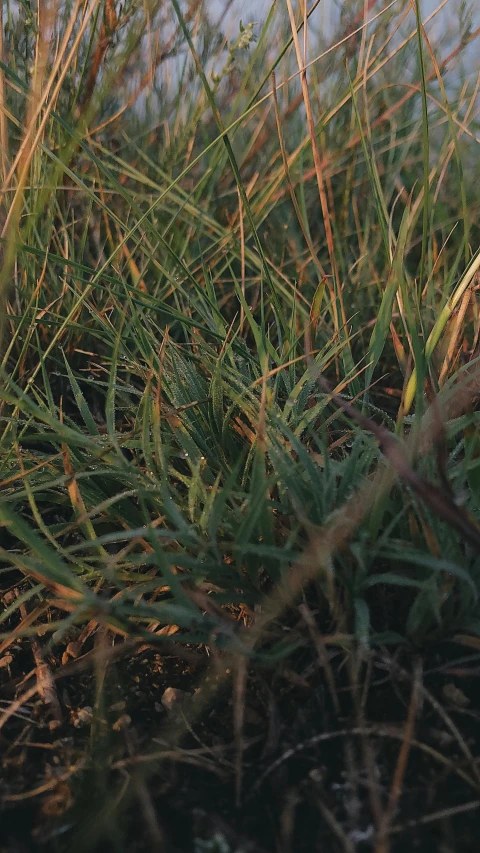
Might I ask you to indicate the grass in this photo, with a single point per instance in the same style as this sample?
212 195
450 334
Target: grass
238 420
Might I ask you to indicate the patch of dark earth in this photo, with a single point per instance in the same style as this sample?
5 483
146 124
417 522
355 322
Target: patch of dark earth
317 770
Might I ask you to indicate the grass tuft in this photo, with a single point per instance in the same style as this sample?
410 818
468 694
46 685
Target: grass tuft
238 388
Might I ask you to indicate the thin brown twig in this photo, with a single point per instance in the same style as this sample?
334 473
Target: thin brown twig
242 256
329 817
319 643
47 786
359 731
17 704
154 828
4 148
441 814
425 693
239 689
45 683
401 767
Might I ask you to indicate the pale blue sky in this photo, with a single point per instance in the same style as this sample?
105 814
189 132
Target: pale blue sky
328 10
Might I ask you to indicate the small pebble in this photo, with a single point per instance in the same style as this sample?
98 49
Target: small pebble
82 716
122 722
172 697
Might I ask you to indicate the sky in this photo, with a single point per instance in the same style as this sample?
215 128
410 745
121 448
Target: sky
328 12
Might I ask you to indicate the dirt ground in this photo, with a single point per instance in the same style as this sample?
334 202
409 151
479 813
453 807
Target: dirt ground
121 755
